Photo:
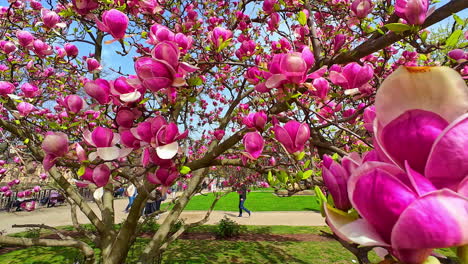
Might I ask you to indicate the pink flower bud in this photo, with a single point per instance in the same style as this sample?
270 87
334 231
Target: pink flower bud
458 54
8 193
338 42
25 38
43 176
73 103
55 143
98 89
361 8
154 74
321 88
41 48
25 108
272 161
71 50
253 143
125 118
37 188
4 188
219 134
114 22
269 6
101 175
20 194
6 88
102 137
352 75
50 18
9 47
2 162
93 65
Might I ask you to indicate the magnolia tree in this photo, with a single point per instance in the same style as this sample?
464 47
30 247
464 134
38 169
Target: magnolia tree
270 87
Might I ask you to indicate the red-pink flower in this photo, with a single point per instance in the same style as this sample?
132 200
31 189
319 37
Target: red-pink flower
255 120
98 89
73 103
361 8
253 143
55 145
6 88
413 11
292 136
114 22
104 139
164 176
25 39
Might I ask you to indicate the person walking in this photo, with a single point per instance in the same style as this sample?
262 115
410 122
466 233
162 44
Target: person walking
131 193
242 197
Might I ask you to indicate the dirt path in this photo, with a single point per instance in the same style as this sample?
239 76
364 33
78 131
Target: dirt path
60 216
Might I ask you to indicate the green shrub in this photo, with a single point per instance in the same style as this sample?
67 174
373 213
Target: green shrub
149 226
227 228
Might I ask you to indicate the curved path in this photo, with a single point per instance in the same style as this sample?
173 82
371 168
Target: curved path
59 216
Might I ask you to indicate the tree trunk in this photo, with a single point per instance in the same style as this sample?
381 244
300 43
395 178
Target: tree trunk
152 252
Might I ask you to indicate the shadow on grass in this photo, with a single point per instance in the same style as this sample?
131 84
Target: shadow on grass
200 251
42 255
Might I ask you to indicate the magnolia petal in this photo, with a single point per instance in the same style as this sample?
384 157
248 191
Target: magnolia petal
115 139
275 80
98 193
413 256
351 229
81 184
168 151
124 152
416 130
101 175
380 196
437 89
463 187
436 220
152 178
109 153
335 179
420 183
130 97
92 156
447 163
283 137
87 137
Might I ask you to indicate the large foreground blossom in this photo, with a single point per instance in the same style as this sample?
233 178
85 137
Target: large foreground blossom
105 140
415 200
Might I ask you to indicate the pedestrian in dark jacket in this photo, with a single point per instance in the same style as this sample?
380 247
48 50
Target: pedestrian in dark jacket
242 197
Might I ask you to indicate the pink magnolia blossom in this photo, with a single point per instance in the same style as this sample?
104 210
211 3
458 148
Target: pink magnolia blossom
164 176
41 48
415 198
413 11
29 90
73 103
253 143
220 35
161 135
50 19
352 75
55 145
93 65
104 139
361 8
219 134
71 50
256 120
6 88
98 89
25 108
293 136
113 22
25 39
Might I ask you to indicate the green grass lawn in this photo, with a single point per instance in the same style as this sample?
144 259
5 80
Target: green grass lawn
216 251
256 201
